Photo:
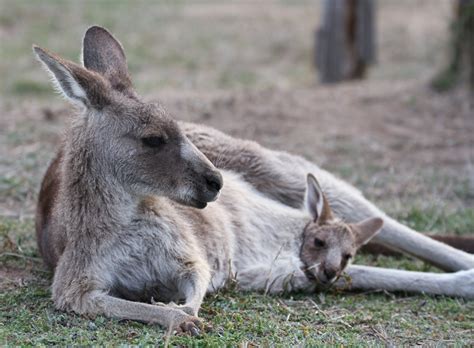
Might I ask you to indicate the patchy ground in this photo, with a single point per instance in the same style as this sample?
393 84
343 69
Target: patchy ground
245 69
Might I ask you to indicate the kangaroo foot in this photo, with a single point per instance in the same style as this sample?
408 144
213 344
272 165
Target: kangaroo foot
190 326
464 283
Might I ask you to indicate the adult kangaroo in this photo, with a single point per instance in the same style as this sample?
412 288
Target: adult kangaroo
120 215
95 225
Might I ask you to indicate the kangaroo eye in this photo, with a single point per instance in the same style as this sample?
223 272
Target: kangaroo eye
347 256
319 243
153 141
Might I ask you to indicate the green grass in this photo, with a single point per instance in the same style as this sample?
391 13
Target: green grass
26 87
435 220
28 317
168 43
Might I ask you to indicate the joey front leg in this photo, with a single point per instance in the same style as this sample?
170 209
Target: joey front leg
283 275
194 297
195 289
194 286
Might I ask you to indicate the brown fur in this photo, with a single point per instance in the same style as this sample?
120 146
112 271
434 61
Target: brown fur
47 197
105 55
336 233
328 243
95 86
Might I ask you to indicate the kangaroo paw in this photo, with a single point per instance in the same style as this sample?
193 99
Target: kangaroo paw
189 326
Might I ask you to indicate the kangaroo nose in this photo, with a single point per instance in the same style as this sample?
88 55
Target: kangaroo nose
330 273
214 182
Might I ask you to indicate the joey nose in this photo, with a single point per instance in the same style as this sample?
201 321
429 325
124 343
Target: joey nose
214 182
330 274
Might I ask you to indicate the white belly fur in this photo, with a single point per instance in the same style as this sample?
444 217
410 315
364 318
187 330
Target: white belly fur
269 236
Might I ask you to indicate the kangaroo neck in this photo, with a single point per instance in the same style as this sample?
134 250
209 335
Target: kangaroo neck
91 200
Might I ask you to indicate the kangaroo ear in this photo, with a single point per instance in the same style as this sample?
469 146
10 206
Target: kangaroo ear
367 229
315 201
104 54
78 85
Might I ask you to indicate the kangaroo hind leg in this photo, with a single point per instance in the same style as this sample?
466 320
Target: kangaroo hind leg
458 284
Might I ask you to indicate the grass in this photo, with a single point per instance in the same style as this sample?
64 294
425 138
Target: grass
460 222
28 317
25 87
164 43
186 45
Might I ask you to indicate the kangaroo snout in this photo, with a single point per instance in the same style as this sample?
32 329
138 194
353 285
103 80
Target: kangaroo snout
214 184
206 178
210 187
207 189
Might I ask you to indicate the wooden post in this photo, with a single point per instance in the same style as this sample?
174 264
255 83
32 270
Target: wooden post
461 53
345 42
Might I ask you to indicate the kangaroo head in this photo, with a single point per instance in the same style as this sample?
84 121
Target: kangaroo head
328 243
132 143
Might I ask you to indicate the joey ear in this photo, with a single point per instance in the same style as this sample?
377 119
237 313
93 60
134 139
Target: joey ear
367 229
78 85
104 54
316 202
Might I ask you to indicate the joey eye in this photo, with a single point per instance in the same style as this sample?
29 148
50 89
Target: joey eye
153 141
319 243
347 256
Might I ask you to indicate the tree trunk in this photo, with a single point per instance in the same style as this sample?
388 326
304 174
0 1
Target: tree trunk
461 62
345 42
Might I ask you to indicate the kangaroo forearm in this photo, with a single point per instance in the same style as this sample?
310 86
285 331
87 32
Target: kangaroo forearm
195 294
260 167
123 309
277 174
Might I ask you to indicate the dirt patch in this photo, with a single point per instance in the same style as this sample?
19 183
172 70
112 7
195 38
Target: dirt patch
402 120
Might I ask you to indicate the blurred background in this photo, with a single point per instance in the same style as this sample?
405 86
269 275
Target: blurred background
202 45
248 69
389 109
